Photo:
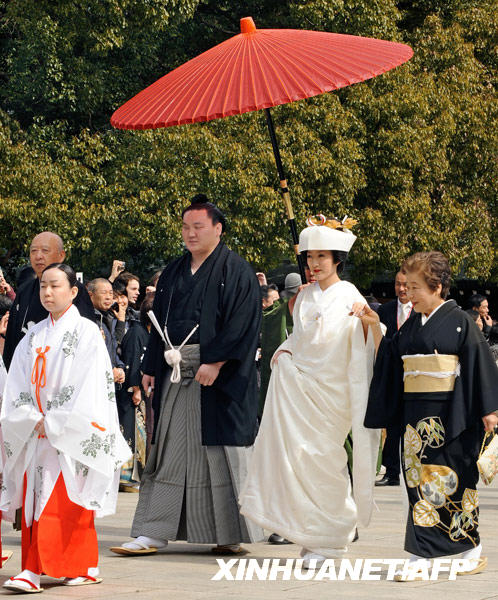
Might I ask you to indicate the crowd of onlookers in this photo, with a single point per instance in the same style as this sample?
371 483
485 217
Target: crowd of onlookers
479 311
119 308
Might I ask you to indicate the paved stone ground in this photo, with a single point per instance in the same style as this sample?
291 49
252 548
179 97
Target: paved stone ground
185 572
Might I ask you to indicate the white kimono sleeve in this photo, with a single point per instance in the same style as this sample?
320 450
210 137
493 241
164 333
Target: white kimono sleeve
82 424
18 418
365 441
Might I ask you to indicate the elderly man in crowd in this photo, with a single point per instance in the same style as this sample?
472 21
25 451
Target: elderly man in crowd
46 248
102 297
206 397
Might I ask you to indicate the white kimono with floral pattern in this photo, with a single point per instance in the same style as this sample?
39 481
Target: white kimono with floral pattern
298 484
83 440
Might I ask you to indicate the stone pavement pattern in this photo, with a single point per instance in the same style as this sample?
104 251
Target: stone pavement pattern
184 572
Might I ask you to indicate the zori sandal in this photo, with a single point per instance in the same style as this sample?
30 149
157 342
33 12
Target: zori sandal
141 549
21 586
482 563
84 580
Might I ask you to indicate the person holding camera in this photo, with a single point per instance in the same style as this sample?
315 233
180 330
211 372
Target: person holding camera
118 266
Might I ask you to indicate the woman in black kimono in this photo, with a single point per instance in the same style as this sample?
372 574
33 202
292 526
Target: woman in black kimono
437 377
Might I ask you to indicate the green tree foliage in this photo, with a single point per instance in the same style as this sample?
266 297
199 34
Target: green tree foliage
410 154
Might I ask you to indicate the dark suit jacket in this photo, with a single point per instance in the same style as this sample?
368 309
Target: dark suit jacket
388 314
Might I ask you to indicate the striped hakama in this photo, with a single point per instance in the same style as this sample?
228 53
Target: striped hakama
189 491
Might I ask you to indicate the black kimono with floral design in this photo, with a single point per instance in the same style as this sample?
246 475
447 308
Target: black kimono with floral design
443 431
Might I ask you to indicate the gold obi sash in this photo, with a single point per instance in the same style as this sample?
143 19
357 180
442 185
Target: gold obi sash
430 372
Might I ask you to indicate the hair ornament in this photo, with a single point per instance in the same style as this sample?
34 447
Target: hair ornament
333 222
316 220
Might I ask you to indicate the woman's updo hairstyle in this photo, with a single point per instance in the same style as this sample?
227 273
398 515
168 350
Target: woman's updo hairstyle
67 270
434 268
339 257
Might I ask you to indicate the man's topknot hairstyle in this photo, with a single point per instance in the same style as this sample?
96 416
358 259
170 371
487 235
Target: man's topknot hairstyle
201 202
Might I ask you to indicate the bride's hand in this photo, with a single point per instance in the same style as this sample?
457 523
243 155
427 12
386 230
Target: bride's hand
364 313
276 355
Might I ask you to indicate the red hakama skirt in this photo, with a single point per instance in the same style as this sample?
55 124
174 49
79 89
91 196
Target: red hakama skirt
63 542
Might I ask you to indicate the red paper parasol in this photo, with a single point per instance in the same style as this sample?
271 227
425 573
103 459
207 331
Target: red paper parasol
257 69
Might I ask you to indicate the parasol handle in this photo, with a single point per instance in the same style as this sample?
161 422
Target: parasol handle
285 194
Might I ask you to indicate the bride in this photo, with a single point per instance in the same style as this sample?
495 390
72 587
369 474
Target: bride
298 483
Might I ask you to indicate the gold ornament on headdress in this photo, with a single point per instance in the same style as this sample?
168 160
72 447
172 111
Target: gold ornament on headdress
333 223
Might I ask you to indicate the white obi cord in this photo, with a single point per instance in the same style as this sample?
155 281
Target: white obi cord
435 374
173 356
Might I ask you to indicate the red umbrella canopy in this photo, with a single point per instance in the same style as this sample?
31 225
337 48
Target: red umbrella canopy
257 69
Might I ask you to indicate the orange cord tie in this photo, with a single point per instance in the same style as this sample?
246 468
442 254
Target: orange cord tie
39 375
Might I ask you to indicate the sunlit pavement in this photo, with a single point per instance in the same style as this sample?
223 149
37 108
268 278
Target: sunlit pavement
185 571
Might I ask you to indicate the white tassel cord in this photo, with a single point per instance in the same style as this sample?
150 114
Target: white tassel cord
435 374
173 356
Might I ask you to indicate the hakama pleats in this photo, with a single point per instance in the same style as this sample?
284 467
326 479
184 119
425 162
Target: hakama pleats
189 491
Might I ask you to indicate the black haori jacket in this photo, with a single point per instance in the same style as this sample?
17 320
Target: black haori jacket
229 327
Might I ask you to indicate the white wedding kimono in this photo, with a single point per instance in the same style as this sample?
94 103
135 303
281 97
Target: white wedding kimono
3 379
83 440
298 483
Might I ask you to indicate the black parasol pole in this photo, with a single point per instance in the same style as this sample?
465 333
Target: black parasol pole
285 194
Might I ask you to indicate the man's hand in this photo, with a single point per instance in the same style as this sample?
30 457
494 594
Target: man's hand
40 427
479 322
261 278
207 374
136 396
3 323
488 320
4 286
148 384
119 375
490 422
117 268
